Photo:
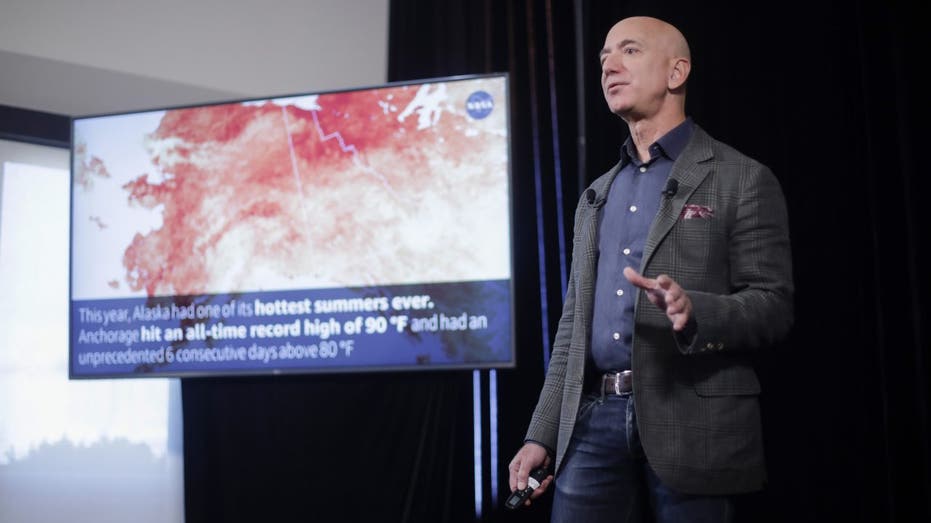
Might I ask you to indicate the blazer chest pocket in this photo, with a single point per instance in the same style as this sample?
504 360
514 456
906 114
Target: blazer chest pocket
699 242
723 376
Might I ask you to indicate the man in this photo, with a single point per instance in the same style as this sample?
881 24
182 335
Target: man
681 268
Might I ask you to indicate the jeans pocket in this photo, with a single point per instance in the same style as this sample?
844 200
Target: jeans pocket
586 404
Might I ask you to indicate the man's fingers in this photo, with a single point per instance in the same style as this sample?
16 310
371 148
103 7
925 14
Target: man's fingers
680 322
542 488
512 473
537 492
678 307
529 457
657 297
523 472
638 280
666 294
655 293
675 301
664 282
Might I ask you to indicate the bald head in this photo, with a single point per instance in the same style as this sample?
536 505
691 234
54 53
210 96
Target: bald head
658 33
645 63
666 35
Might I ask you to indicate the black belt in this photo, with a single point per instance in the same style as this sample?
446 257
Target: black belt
620 382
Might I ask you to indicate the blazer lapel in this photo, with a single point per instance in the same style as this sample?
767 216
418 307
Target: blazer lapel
689 170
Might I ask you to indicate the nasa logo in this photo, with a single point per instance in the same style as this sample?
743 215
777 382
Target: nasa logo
479 105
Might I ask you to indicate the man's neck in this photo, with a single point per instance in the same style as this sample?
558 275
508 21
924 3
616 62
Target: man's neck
645 132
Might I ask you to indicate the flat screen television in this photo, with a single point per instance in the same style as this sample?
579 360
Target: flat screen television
354 230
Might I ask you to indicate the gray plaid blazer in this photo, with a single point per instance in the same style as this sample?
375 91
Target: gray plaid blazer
724 237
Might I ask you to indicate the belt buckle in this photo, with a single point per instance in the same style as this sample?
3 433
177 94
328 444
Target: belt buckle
617 383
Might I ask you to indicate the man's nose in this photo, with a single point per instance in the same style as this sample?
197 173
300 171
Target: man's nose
611 64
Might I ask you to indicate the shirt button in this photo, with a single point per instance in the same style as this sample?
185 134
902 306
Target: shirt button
626 251
633 208
617 336
643 168
620 292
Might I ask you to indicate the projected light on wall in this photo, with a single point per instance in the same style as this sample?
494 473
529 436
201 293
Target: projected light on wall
107 450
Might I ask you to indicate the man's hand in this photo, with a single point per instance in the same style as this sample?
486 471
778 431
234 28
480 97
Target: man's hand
531 456
666 294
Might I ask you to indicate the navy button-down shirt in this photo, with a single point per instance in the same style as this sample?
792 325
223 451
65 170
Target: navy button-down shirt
633 200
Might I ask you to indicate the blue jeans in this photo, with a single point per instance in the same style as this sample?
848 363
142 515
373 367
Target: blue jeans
605 477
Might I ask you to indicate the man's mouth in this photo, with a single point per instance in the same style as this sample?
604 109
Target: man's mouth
614 85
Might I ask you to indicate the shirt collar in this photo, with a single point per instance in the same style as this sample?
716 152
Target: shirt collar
669 145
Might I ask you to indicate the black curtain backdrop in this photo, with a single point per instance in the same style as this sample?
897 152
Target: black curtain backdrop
396 447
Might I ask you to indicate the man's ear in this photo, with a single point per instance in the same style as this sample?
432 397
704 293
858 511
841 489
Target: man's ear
679 73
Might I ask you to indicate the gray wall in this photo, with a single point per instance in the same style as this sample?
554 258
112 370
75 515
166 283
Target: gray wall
96 56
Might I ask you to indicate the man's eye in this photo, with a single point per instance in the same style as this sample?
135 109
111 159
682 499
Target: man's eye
630 50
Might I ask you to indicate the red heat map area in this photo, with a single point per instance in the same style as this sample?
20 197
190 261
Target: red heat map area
367 187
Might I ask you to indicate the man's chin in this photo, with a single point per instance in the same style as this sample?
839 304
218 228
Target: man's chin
621 110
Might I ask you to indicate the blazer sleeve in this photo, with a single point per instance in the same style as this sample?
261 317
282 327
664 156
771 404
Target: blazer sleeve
544 424
759 309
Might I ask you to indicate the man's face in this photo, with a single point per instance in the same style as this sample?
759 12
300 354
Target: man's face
635 67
